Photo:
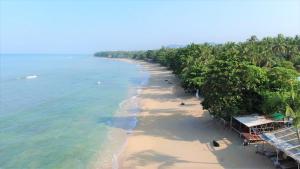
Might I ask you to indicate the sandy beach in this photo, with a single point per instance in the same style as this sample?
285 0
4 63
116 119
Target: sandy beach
170 135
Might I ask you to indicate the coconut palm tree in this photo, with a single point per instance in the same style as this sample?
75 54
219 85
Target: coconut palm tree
293 110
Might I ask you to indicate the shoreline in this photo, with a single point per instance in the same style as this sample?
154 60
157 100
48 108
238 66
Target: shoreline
122 124
132 108
169 135
128 108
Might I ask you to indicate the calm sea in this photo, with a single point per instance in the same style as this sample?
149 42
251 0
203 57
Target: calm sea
63 111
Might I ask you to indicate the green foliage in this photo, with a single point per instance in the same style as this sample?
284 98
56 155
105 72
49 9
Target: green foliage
274 102
280 78
293 108
255 76
222 88
119 54
232 87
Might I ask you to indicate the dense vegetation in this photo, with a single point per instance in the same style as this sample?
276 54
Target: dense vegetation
255 76
119 54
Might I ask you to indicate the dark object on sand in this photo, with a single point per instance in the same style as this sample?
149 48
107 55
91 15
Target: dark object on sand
166 80
245 142
170 82
216 144
182 103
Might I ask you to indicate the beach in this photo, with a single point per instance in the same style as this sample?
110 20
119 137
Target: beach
171 135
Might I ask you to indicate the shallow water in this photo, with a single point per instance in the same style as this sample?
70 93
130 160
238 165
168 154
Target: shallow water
57 111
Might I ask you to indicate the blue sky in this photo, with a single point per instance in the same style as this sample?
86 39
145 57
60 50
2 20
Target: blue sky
87 26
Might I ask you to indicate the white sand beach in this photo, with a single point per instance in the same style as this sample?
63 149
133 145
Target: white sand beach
170 135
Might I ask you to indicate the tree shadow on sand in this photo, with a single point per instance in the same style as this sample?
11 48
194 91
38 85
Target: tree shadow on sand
147 157
202 129
168 126
177 123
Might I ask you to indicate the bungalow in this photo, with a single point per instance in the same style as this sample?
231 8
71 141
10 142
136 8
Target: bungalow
251 126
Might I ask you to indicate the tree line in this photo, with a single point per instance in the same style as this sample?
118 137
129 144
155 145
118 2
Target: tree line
255 76
118 54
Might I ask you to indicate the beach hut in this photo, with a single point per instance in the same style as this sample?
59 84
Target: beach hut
285 140
250 126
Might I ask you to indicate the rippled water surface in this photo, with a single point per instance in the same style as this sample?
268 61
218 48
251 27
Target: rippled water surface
54 107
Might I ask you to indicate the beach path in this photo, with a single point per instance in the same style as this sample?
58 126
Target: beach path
171 135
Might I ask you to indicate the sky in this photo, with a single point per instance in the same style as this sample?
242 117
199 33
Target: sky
87 26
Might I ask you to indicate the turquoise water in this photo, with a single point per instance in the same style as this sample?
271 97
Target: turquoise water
51 106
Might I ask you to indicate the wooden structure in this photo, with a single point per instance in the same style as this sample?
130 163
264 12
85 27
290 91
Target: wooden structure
251 126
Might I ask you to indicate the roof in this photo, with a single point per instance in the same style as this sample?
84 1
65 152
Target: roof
253 120
285 140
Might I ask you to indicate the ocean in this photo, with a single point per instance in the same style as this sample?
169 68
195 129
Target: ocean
65 110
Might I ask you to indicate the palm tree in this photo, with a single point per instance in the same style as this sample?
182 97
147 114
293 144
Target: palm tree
293 110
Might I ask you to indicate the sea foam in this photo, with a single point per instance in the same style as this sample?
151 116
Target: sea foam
31 77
